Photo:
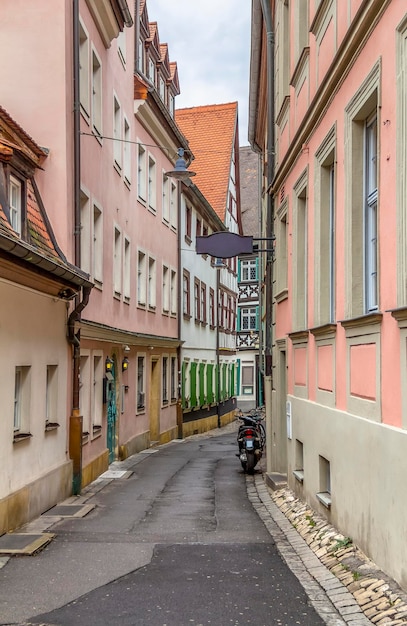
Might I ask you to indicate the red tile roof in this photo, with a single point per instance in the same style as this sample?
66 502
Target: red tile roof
211 131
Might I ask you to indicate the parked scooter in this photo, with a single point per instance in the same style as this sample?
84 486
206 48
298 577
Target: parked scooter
251 439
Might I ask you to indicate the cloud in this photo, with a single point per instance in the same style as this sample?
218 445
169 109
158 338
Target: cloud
210 41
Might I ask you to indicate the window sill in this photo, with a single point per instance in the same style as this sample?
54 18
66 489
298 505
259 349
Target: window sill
281 295
96 431
21 437
299 475
325 498
51 426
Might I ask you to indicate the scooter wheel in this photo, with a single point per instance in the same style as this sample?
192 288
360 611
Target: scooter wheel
251 462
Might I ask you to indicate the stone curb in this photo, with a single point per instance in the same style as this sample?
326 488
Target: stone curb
365 594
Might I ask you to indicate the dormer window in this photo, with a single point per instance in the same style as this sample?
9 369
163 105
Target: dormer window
171 105
15 195
162 88
151 70
140 56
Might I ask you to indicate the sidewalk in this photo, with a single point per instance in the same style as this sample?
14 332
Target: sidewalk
321 557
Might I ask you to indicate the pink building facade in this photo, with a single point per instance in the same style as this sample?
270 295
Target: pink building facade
94 85
337 205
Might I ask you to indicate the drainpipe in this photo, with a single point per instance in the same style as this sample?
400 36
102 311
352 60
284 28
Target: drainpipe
268 22
75 421
180 412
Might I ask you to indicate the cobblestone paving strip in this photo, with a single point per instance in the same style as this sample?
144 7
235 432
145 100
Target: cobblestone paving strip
359 591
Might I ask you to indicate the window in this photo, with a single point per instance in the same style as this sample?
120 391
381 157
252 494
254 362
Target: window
51 395
121 46
212 307
127 266
140 383
300 254
166 289
301 27
165 380
15 196
281 252
361 196
186 304
96 94
371 287
86 248
247 379
188 222
117 135
166 199
173 383
97 393
85 393
22 394
249 318
173 293
151 283
173 206
203 303
248 270
197 298
84 89
126 151
140 56
151 70
162 88
97 245
117 262
141 278
324 495
171 105
141 168
325 232
152 183
198 227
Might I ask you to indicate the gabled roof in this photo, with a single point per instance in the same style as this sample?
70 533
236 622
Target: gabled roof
37 249
211 133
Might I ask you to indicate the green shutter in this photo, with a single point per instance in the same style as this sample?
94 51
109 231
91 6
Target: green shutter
202 399
257 318
194 399
183 384
239 262
209 383
238 318
257 268
238 366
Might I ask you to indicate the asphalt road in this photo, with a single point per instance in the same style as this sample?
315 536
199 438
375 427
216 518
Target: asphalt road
176 544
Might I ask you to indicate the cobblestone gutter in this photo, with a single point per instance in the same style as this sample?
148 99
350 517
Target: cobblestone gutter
381 600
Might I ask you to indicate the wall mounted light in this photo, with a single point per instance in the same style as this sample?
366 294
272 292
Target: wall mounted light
126 348
125 364
109 365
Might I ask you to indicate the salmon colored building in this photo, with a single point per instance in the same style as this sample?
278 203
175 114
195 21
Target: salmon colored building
329 119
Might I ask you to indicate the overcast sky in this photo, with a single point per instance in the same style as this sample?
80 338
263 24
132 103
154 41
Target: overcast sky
210 41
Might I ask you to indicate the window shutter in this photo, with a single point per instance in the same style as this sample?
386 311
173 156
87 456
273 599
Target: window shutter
257 317
238 319
194 399
239 263
257 268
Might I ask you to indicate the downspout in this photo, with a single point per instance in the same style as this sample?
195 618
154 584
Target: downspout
75 421
268 21
180 411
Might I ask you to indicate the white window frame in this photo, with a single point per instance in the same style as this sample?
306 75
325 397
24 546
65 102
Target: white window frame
84 70
140 383
152 283
173 292
51 395
152 183
117 260
141 171
97 99
246 268
248 318
126 150
164 380
141 278
166 289
86 232
127 269
173 205
121 46
15 203
97 244
22 399
97 392
371 206
166 198
117 134
85 393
